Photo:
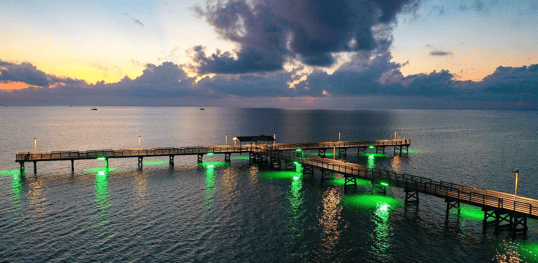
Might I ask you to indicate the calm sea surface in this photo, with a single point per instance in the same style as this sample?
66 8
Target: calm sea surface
238 212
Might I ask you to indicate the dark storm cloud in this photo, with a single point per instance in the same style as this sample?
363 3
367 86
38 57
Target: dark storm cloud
270 32
166 82
364 76
440 53
518 83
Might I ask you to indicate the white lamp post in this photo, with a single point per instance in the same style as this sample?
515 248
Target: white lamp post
517 179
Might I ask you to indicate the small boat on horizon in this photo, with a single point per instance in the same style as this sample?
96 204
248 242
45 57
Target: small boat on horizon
201 108
94 109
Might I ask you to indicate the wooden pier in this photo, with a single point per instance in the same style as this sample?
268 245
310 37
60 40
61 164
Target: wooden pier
503 210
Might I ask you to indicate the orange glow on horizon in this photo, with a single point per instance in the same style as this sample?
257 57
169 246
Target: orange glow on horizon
9 86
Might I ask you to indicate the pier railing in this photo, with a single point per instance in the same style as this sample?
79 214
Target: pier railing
340 144
133 152
487 199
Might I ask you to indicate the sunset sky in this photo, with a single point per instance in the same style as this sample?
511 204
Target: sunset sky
270 53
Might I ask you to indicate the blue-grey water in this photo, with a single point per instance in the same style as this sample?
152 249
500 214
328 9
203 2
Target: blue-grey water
242 213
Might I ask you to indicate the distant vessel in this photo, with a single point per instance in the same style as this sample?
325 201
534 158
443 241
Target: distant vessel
201 108
94 109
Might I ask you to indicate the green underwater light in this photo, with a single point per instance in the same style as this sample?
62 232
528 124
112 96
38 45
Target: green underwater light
384 184
101 158
371 147
9 172
374 155
280 175
469 211
369 202
213 164
97 170
210 154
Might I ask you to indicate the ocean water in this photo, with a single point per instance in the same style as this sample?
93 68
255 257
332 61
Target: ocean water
239 212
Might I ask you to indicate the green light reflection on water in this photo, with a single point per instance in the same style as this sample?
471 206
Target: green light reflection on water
470 212
515 251
381 206
102 203
96 170
16 190
213 164
374 155
9 172
210 189
410 151
383 233
368 202
281 175
296 210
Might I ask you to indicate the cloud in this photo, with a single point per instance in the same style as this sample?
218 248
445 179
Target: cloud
29 74
441 53
368 80
269 33
134 19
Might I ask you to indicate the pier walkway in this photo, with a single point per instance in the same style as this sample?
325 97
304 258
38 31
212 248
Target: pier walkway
503 210
140 153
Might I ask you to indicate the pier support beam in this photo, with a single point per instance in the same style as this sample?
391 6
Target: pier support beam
451 203
140 164
171 160
325 174
22 167
519 220
349 180
411 196
361 150
276 163
308 169
72 165
342 152
289 165
227 157
200 158
379 187
321 153
35 167
380 149
513 221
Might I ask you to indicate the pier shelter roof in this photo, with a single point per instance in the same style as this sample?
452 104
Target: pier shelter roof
247 139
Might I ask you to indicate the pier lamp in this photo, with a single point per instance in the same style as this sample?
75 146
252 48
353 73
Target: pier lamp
371 147
299 152
517 179
210 154
138 142
35 144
